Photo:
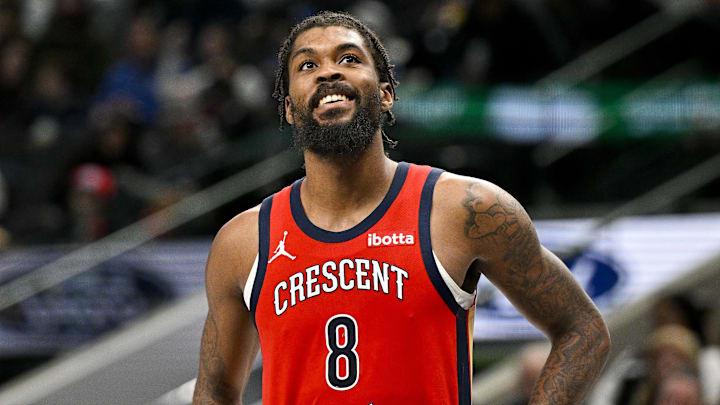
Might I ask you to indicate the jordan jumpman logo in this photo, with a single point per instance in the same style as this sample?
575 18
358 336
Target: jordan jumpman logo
280 250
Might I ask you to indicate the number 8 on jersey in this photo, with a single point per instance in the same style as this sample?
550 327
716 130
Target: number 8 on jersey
342 366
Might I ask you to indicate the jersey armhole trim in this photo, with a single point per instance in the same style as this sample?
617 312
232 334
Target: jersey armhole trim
263 249
462 297
442 287
426 251
247 290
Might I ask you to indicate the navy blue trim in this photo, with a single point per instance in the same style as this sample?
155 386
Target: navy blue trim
461 315
426 198
322 235
263 249
463 357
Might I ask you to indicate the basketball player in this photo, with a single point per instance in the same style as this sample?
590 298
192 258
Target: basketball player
354 280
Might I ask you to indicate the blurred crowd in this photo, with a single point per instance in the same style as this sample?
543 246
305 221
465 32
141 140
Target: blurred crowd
104 102
111 110
679 364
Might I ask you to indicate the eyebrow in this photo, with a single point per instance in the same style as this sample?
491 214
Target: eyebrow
339 48
346 46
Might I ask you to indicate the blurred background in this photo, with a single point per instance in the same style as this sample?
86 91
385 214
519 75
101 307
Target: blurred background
131 130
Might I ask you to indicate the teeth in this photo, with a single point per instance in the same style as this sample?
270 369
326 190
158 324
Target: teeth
332 97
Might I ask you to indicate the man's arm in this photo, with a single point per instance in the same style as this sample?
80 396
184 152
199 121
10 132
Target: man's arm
499 232
229 341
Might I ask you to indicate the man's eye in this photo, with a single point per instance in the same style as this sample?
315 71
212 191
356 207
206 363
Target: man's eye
306 65
349 59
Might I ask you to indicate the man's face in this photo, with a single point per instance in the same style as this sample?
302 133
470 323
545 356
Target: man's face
679 390
335 100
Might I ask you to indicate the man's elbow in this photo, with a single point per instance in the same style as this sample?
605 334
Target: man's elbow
603 340
597 338
588 335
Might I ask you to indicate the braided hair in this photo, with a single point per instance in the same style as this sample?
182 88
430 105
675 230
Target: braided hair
383 67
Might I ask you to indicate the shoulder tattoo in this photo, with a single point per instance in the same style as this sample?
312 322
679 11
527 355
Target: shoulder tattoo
494 218
499 222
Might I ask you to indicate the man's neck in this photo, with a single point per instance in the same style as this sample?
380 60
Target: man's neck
339 193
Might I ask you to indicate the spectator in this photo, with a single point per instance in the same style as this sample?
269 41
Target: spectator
679 389
229 96
14 64
91 188
679 310
672 349
69 40
56 112
10 14
115 142
130 83
709 360
532 361
634 380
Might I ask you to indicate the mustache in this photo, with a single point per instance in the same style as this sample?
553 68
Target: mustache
334 88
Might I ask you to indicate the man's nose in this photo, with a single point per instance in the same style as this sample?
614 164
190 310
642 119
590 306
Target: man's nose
329 74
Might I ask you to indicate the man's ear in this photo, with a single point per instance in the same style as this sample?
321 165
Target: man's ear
387 96
288 111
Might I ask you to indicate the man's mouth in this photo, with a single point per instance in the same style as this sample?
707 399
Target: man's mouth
333 102
333 98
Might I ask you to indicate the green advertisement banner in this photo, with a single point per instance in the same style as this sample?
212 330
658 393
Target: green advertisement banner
605 112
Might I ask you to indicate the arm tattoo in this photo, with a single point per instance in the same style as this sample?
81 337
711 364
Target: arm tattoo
572 366
546 291
488 219
211 387
500 223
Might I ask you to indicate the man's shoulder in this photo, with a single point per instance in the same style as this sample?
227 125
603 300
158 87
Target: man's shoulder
240 228
453 191
459 204
232 255
472 212
236 244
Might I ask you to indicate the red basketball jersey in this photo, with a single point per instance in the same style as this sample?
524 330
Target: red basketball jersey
361 316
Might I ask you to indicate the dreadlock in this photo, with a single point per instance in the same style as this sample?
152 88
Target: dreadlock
332 19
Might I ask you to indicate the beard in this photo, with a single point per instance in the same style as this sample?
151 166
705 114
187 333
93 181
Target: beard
339 140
